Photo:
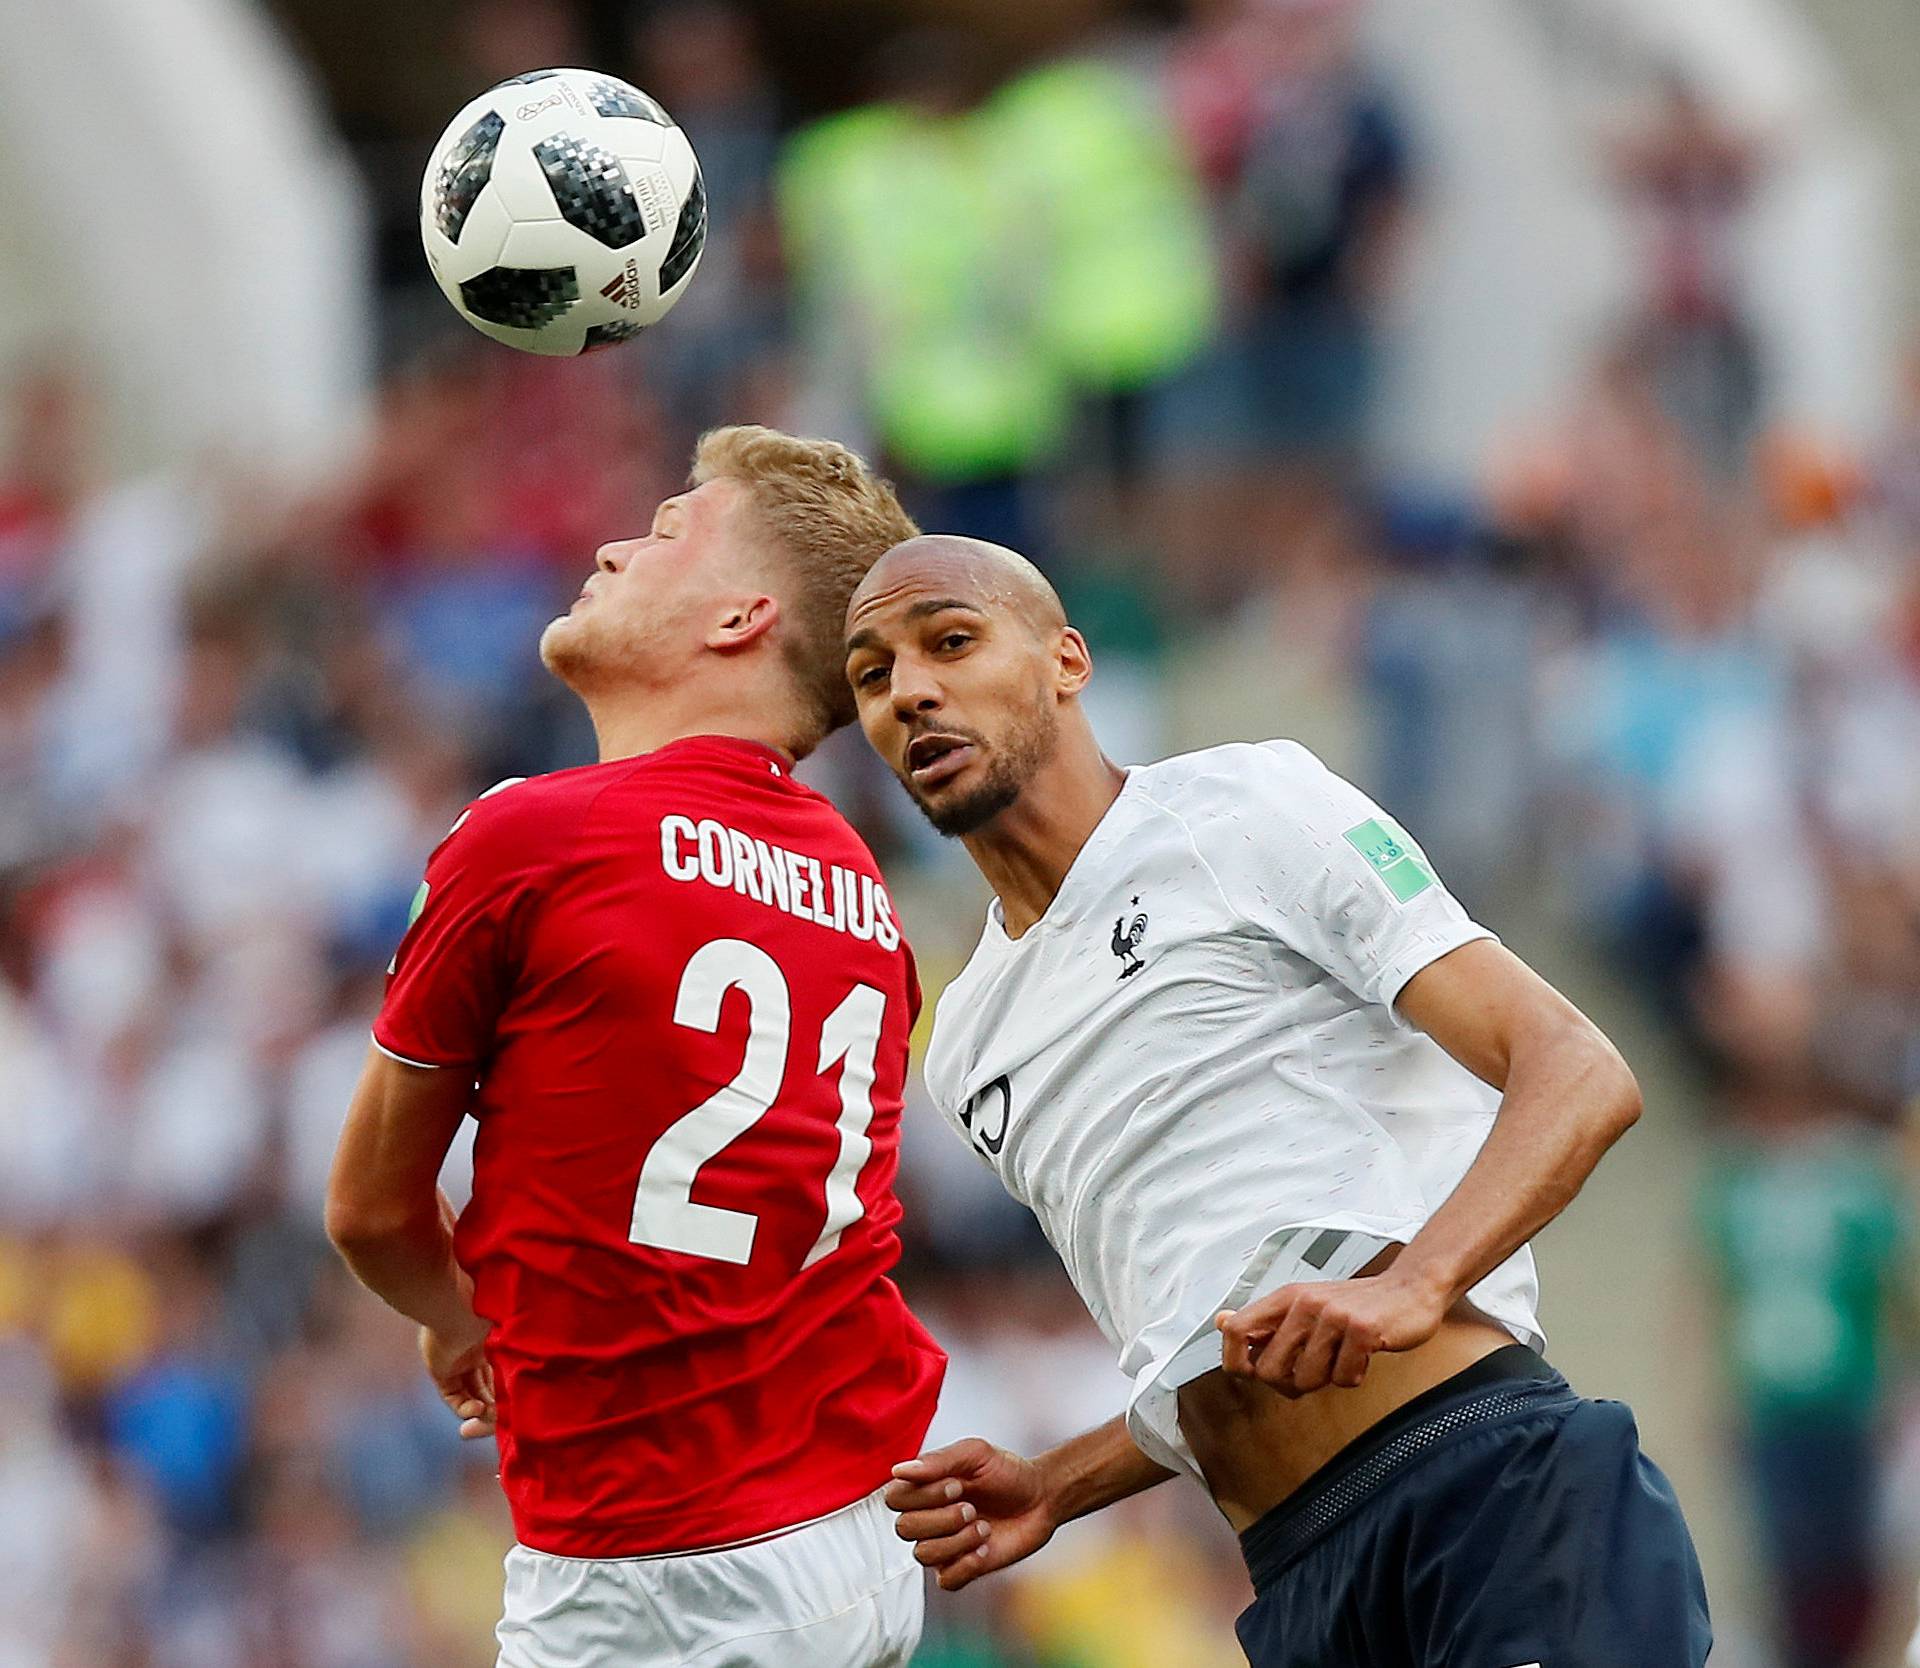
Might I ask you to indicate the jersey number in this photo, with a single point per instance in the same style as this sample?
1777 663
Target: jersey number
664 1213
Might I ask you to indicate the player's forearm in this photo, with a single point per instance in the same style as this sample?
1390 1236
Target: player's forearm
409 1264
1095 1469
1568 1098
385 1212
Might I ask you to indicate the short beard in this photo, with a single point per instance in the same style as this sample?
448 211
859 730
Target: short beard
1015 765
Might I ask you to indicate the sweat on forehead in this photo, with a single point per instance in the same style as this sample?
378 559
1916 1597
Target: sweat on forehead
987 576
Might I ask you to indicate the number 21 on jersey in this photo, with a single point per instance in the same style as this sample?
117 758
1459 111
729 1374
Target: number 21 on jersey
664 1213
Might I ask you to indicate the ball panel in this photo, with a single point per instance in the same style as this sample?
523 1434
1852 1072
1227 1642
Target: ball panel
523 298
591 189
552 242
557 341
531 75
481 241
610 335
659 205
463 173
637 144
689 237
677 158
519 182
534 112
613 97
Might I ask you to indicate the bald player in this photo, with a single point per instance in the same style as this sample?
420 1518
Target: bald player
1290 1118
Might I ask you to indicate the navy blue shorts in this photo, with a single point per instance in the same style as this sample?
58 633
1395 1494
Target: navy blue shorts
1498 1521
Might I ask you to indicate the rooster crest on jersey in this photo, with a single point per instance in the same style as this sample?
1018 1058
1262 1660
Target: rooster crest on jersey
1127 940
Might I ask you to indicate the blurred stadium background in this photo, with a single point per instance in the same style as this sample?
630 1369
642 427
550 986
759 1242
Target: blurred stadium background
1516 400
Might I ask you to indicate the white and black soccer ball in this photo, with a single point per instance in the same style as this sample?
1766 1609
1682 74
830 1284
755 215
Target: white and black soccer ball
563 211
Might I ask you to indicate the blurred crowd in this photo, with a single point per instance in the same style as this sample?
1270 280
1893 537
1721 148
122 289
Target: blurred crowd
1124 308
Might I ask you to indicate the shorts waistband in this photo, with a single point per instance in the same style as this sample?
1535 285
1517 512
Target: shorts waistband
1508 1383
866 1501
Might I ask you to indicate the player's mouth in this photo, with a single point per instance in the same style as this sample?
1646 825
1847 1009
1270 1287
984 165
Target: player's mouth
936 758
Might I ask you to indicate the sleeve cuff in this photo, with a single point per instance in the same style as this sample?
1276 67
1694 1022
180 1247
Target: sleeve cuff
1423 952
409 1060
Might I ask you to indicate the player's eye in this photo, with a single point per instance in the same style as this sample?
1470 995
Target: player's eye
955 639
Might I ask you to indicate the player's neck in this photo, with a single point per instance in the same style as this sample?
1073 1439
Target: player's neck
1026 851
631 723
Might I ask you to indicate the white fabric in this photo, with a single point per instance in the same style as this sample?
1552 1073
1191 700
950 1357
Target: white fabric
1243 1110
844 1592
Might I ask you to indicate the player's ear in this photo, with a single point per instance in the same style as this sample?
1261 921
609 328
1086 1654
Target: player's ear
1075 662
744 620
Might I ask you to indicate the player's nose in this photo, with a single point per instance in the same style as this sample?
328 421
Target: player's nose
611 558
914 692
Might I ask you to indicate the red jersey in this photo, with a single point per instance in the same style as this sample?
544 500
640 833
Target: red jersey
682 989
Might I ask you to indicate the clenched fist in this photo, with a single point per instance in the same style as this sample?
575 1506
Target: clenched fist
1303 1338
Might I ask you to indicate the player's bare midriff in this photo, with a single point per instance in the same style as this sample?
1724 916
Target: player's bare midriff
1255 1446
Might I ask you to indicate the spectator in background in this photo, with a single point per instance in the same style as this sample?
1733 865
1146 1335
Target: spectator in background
488 486
1808 1242
42 1482
42 478
1121 266
914 284
179 1420
1303 150
1665 712
1689 178
33 656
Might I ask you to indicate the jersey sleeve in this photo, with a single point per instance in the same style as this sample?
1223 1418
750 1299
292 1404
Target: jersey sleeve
454 968
1308 857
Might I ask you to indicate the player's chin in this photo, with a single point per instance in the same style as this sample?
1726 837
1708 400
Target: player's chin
563 644
957 808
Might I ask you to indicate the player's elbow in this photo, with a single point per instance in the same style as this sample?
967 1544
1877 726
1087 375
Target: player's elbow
1613 1091
358 1223
1628 1102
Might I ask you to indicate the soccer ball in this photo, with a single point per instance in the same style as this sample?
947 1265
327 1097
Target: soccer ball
563 211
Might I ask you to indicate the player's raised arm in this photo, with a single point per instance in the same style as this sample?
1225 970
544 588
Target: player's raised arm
971 1508
393 1227
1567 1097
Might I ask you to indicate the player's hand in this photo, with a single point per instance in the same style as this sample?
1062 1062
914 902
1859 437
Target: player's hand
1303 1338
970 1509
460 1372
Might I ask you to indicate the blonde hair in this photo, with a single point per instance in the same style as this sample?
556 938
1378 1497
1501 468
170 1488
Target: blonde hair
832 517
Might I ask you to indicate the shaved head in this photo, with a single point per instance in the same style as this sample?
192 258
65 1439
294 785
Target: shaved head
964 669
987 576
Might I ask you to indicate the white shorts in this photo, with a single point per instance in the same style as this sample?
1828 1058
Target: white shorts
842 1592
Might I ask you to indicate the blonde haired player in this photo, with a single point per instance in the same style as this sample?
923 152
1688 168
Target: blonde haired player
671 989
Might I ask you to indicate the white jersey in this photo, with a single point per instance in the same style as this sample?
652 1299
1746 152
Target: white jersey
1190 1068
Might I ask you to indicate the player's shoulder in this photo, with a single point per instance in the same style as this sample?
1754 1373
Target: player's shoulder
1233 764
1266 785
523 821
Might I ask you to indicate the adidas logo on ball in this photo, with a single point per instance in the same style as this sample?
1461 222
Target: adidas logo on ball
624 290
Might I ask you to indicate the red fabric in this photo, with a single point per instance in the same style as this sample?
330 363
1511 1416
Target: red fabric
654 1399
